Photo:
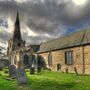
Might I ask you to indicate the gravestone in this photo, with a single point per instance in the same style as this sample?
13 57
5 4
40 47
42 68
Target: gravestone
12 71
39 69
21 76
75 69
32 70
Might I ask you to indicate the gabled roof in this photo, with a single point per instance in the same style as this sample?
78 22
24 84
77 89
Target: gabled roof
75 39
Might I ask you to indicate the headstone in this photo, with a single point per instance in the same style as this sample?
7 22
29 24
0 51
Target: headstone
75 69
12 71
21 76
32 70
39 69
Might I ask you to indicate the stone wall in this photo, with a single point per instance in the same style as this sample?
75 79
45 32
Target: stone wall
81 57
87 59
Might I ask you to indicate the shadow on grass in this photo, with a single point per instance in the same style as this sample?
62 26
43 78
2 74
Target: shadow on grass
38 84
83 75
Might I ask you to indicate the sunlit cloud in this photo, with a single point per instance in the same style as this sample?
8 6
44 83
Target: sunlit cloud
79 2
22 1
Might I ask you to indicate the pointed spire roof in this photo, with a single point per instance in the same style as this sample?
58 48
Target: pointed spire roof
17 32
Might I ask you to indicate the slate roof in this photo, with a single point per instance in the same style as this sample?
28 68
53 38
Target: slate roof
76 39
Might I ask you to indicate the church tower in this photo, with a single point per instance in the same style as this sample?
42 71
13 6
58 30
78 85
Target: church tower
17 33
16 41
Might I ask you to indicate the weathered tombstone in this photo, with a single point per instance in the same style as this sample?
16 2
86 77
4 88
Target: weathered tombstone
75 69
32 70
12 71
39 69
21 74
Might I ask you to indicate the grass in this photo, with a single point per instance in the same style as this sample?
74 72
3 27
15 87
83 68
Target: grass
47 80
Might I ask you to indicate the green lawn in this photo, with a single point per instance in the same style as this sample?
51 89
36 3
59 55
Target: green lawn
48 81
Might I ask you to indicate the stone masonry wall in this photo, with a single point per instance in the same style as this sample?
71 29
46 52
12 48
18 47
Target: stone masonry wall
87 59
58 57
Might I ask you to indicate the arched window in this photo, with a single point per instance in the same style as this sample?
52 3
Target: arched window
33 59
50 59
41 61
26 61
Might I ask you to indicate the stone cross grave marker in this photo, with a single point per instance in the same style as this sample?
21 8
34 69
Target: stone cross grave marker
12 71
21 76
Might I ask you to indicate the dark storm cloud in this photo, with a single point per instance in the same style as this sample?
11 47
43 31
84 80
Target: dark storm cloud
51 17
37 39
4 36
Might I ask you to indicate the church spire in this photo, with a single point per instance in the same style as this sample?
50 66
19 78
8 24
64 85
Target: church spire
17 33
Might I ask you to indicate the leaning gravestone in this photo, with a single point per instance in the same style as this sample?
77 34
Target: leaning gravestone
12 71
75 69
21 74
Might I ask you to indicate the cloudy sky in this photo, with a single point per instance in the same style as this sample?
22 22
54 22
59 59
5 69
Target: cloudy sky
42 20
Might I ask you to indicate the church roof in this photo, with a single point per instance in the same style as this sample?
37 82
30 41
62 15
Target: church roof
72 40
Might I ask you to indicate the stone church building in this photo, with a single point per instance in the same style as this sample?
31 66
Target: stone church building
70 53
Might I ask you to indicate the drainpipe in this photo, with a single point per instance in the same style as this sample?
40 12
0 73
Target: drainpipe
83 37
83 59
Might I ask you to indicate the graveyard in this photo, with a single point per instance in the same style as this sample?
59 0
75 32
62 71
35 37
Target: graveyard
44 44
46 80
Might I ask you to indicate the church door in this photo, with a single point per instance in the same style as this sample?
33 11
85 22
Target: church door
58 67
